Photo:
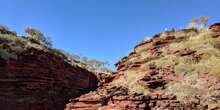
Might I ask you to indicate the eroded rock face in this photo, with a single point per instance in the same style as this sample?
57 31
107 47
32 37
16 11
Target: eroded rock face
113 97
38 80
143 83
215 26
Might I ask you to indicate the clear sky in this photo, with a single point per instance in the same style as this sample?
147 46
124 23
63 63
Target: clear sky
103 29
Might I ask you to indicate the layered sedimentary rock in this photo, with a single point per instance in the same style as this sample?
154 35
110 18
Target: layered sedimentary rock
161 74
39 80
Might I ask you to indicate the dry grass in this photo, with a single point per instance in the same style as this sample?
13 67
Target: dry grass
191 85
194 42
129 80
204 45
208 49
181 33
165 61
145 54
188 67
13 38
183 69
208 66
188 86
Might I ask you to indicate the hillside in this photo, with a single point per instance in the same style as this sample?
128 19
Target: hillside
34 76
174 70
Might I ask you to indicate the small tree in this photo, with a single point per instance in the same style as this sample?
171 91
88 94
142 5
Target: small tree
203 21
192 24
47 41
35 34
200 21
39 37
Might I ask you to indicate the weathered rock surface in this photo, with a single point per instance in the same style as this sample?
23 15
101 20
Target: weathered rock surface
39 80
215 26
117 94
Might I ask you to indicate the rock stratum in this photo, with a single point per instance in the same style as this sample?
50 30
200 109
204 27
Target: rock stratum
174 70
37 79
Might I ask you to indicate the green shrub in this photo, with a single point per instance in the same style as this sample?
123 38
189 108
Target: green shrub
34 33
6 55
95 65
36 39
39 37
6 30
88 63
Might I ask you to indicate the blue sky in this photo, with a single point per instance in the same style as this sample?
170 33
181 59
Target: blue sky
103 29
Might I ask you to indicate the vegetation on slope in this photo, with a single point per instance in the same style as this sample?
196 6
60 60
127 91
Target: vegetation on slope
11 45
202 59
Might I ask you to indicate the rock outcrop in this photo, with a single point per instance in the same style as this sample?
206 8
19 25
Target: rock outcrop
39 80
215 26
168 72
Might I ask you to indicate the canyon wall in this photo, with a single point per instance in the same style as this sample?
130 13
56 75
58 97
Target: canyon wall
39 80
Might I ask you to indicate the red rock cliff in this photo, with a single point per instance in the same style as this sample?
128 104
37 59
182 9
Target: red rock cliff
38 80
168 72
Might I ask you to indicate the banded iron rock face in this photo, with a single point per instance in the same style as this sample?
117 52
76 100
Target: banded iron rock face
140 83
38 80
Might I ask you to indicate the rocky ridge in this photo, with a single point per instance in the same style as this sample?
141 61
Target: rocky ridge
168 72
32 78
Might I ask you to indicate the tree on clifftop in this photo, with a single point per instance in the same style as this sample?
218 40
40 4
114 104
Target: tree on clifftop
38 37
203 21
192 24
199 21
